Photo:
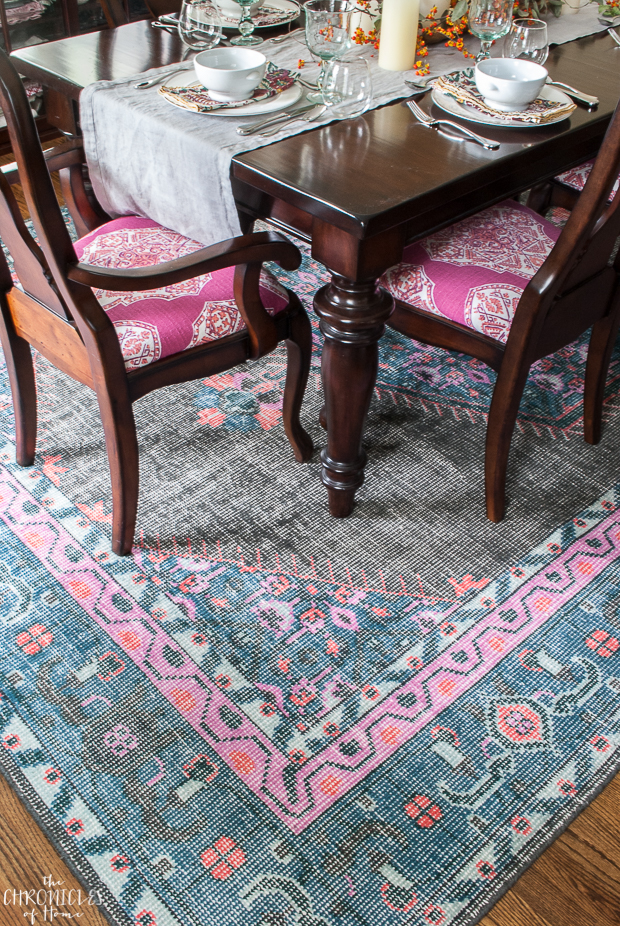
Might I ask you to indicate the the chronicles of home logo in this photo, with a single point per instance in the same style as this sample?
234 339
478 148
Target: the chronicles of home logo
45 903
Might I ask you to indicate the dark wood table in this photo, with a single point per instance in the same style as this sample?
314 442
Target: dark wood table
359 191
67 66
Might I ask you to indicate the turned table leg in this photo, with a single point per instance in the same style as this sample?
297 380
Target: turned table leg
353 317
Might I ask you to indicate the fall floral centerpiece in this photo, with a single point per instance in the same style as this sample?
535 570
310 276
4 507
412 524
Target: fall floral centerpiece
447 22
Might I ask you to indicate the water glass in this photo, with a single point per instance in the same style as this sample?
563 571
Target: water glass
200 25
246 26
327 32
489 20
527 39
347 87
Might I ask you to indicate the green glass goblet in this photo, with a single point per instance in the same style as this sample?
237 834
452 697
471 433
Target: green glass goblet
246 26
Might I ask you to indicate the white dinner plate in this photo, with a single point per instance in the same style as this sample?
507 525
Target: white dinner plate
452 106
288 97
285 11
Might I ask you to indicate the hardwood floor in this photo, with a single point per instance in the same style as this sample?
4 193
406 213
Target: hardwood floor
576 882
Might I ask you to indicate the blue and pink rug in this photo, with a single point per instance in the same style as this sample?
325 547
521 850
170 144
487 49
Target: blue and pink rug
243 724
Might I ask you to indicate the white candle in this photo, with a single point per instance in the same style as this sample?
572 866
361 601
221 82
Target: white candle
399 34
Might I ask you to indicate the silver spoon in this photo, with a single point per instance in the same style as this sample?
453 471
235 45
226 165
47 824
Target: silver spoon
282 38
418 84
145 84
167 27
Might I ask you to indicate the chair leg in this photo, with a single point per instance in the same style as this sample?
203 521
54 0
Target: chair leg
122 447
23 389
500 426
299 353
539 197
602 340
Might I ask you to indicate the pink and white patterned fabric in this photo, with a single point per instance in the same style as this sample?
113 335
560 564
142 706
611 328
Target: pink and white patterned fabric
474 272
156 323
576 178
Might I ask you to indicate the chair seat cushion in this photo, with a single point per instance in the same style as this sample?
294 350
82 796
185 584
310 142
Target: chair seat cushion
156 323
576 178
475 271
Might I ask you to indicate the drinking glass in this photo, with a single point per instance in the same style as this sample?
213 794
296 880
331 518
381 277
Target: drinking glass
347 87
246 26
200 25
527 39
327 33
489 20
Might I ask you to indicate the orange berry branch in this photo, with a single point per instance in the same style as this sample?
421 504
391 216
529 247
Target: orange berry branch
432 29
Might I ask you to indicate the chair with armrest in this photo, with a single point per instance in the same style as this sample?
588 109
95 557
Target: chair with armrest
131 307
563 191
114 12
508 287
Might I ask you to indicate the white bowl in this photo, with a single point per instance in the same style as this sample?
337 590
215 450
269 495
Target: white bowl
232 10
230 74
509 84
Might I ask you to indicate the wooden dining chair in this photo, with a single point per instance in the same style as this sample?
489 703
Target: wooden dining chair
131 307
114 12
158 8
563 191
508 287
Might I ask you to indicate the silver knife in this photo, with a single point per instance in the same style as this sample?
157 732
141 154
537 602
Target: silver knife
614 36
311 116
249 128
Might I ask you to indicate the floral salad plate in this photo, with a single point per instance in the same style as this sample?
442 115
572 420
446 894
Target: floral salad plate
458 95
276 91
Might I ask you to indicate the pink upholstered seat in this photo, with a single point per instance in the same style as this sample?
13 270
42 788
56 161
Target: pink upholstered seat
474 272
576 178
159 322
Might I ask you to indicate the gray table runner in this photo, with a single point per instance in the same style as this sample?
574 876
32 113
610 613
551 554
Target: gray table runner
149 158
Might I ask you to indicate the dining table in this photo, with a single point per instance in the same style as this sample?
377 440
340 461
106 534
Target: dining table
358 190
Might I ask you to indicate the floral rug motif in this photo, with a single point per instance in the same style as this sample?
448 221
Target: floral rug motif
212 739
209 743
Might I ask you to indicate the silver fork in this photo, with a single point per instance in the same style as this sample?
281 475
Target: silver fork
614 36
427 120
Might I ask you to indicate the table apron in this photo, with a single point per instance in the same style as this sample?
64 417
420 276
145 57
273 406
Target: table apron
259 196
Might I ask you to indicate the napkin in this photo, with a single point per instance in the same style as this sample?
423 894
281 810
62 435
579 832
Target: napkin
197 99
461 85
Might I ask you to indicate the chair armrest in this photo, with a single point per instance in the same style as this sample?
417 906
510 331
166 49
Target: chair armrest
246 249
62 155
246 253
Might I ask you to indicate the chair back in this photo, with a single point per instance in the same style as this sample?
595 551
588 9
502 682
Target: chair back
40 265
573 287
114 12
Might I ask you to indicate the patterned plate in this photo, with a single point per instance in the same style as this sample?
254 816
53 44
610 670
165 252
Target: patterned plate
272 13
273 104
452 106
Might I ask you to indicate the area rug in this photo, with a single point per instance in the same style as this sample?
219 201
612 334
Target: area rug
266 717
